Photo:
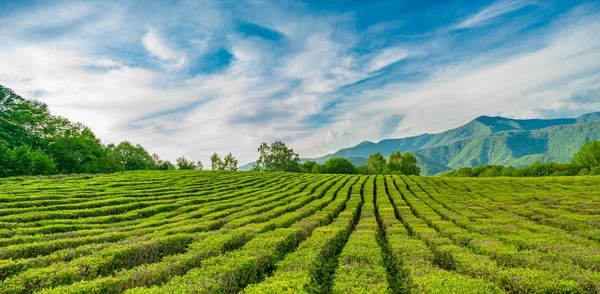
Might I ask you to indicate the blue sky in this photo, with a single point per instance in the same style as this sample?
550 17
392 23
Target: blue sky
194 77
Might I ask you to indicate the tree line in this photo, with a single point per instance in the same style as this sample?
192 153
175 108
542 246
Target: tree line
585 162
277 157
35 142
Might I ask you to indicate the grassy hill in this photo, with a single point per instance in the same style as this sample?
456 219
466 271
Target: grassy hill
233 232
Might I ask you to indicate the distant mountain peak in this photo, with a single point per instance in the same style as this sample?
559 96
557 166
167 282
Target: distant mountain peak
589 117
487 139
364 143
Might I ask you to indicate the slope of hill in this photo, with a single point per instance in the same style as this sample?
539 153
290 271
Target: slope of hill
197 231
489 140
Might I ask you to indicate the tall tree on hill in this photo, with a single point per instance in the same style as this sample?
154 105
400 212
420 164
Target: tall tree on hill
76 149
394 163
22 122
159 164
338 165
215 162
308 166
134 157
588 155
408 165
186 164
376 163
277 157
229 162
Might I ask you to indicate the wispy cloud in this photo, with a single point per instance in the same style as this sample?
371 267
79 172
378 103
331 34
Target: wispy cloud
389 56
291 71
170 58
495 10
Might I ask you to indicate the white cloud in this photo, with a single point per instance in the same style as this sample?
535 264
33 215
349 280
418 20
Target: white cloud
334 141
493 11
514 87
389 56
171 59
269 90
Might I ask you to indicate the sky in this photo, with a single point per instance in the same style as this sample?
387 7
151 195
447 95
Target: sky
196 77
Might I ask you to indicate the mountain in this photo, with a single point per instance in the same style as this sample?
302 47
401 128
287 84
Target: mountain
489 140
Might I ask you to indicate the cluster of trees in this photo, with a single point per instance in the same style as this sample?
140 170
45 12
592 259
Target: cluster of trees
35 142
277 157
585 162
398 163
227 163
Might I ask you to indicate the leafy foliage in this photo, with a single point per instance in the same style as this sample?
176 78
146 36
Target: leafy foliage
588 155
338 165
230 163
186 164
277 157
35 142
216 163
585 162
376 163
309 167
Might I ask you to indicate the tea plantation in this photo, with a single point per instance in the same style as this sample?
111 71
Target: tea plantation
245 232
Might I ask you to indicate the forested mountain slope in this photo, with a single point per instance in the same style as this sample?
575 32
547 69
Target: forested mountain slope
489 140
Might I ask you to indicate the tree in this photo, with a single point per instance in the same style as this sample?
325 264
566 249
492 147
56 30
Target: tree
308 166
376 163
588 155
277 158
394 163
24 161
408 165
5 161
134 157
338 165
159 164
229 162
215 162
362 170
76 149
185 164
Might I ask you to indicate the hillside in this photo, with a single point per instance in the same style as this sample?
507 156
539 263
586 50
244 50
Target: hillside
197 231
489 140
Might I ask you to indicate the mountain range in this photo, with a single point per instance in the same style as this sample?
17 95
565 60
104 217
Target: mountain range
485 140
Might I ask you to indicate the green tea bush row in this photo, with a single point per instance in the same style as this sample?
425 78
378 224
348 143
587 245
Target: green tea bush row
361 266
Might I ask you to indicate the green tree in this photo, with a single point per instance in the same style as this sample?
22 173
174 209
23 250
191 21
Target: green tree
308 166
185 164
588 155
376 163
277 158
229 162
363 170
338 165
216 163
23 161
22 122
408 165
159 164
394 163
134 157
4 159
77 150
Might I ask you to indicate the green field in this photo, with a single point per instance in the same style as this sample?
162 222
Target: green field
212 232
